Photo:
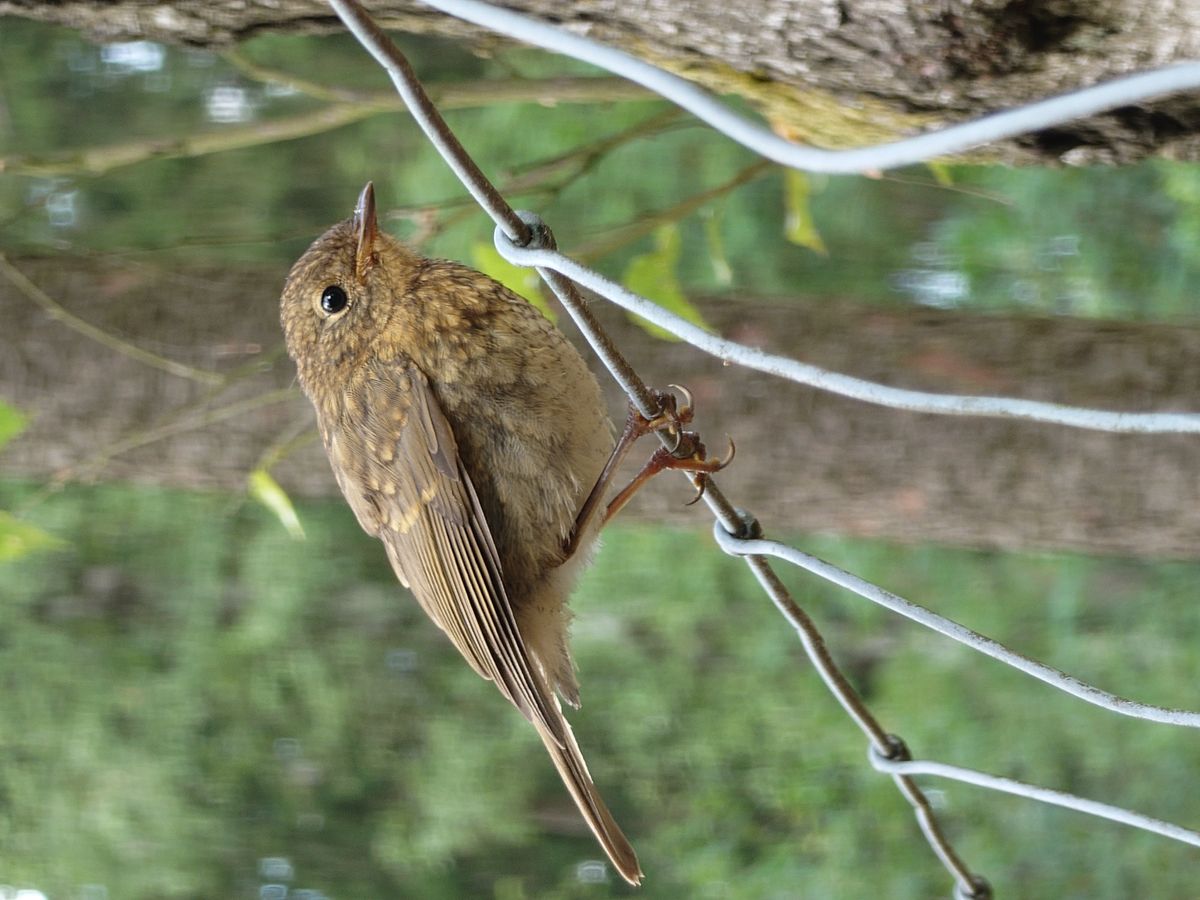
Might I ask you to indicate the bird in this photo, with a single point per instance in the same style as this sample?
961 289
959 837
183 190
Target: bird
469 436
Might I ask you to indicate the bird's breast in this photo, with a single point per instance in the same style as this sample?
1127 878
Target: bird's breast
533 435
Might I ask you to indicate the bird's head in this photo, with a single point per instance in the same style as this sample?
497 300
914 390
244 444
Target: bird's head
340 295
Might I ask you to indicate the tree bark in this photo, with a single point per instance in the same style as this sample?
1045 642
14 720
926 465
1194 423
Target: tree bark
834 72
806 460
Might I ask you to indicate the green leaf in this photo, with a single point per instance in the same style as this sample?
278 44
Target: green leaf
12 422
266 490
518 279
653 275
941 173
799 227
722 271
19 538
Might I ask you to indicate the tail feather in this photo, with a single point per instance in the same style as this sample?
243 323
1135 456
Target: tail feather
573 770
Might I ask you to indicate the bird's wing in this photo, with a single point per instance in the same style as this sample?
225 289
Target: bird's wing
399 467
406 477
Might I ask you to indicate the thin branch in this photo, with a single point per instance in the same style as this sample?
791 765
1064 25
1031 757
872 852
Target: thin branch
584 157
98 160
534 178
267 75
56 311
622 235
299 434
209 417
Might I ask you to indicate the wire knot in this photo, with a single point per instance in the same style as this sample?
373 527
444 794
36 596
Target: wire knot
540 235
894 751
749 528
897 750
980 889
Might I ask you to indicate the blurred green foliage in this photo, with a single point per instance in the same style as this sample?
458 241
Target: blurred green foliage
18 538
12 422
652 275
189 691
1096 242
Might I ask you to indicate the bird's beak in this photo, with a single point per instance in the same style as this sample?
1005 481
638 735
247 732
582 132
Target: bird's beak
366 227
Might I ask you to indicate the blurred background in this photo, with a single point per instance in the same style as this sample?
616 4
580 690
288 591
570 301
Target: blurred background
211 684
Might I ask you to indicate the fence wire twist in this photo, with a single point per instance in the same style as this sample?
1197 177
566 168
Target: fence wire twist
522 238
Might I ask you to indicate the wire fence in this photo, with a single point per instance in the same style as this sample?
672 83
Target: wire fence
522 238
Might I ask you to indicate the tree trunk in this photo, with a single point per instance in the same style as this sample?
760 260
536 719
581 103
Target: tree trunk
833 72
806 460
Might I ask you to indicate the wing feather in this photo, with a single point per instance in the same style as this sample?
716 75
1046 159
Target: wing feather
407 482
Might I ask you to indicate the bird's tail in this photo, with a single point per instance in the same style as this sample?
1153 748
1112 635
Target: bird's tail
573 770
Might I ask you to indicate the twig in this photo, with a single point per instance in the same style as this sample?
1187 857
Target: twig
152 435
622 235
98 160
56 311
299 434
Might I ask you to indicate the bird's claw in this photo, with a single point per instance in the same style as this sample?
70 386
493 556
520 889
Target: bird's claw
670 419
685 450
696 460
685 412
681 449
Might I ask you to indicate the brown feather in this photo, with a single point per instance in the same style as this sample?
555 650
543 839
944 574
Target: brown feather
465 433
433 528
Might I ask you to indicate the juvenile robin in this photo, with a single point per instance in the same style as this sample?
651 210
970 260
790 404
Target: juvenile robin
470 437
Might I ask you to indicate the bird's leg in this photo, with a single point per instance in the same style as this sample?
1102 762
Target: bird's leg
686 452
636 426
689 455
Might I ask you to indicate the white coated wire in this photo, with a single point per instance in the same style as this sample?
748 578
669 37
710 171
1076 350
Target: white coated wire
1033 792
848 385
1035 116
951 629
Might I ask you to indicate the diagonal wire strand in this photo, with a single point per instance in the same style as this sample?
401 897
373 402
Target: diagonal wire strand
1033 792
848 385
951 629
955 139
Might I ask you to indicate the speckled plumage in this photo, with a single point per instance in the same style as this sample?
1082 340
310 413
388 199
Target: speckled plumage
465 432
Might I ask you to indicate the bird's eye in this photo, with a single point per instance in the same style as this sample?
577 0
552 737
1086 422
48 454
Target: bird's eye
333 300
